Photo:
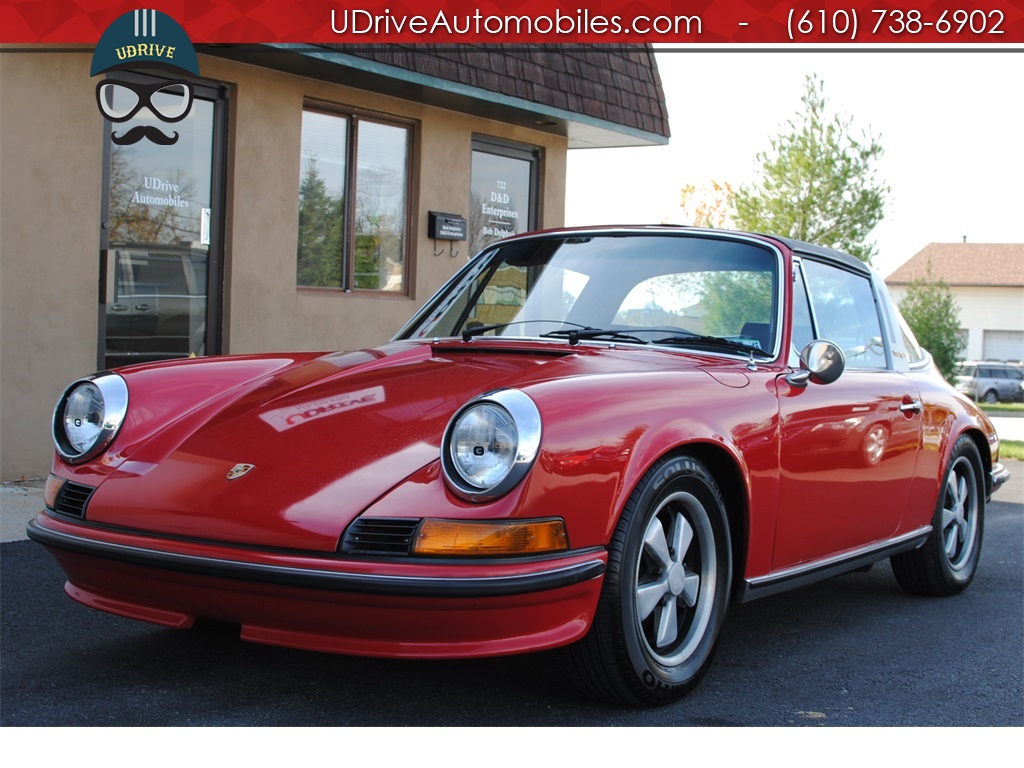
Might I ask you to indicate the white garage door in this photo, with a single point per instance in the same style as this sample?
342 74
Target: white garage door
1003 345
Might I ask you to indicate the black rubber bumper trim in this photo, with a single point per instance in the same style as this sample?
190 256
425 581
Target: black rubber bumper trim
401 586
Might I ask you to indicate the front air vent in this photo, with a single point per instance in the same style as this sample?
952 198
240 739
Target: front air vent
72 499
379 536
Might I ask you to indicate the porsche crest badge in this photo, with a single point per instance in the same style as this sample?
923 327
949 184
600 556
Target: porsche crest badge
238 470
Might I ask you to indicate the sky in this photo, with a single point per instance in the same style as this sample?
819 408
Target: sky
951 124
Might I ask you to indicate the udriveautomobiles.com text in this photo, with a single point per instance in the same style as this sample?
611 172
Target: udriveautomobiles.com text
444 23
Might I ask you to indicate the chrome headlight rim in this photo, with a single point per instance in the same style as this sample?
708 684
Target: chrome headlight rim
113 392
524 414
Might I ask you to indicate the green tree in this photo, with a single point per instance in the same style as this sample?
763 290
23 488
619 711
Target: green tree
932 313
320 232
818 182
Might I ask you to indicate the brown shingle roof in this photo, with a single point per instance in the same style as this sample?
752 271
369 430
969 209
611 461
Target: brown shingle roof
616 83
994 264
594 95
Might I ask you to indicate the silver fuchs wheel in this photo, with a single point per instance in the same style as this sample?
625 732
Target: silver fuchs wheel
666 590
946 563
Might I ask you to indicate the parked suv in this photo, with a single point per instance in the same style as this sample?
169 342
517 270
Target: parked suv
991 382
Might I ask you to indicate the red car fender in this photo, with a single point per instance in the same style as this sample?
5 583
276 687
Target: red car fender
588 468
947 417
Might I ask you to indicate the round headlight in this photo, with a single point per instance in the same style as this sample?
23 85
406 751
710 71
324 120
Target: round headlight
490 444
88 416
83 416
483 445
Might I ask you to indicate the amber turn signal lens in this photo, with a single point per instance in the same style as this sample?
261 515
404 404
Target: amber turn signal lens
53 486
490 538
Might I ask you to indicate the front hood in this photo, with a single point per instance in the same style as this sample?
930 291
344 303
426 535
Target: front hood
325 438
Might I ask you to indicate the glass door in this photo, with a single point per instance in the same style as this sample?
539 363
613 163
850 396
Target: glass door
160 251
503 192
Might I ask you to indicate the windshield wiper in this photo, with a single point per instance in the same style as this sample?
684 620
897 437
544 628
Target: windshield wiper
586 334
716 342
580 333
480 330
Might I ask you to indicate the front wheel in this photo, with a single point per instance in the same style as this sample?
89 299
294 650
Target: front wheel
666 590
946 563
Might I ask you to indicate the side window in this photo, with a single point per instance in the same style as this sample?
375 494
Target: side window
846 314
803 325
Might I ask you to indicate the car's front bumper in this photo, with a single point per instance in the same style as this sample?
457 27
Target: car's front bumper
326 603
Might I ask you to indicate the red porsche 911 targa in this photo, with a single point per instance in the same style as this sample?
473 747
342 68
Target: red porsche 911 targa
593 438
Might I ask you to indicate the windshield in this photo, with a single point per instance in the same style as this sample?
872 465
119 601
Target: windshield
641 288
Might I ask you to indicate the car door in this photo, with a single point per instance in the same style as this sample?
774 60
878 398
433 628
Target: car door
848 449
1007 383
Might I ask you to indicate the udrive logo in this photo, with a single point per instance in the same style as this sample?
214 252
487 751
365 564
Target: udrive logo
145 39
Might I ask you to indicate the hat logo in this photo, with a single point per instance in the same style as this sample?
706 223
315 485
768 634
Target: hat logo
145 39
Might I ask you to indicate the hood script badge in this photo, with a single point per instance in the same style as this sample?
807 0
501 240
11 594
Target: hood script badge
238 470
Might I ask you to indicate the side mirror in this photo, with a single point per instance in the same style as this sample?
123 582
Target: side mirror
821 362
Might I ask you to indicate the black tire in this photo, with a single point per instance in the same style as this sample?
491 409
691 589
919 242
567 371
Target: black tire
666 590
991 397
946 563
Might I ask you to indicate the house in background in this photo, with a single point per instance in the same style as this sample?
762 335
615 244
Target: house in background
297 210
987 280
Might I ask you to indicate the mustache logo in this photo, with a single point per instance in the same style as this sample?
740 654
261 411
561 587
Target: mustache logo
140 132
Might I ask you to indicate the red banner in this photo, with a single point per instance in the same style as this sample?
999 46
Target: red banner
682 22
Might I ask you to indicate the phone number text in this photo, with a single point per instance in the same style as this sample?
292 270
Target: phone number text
885 24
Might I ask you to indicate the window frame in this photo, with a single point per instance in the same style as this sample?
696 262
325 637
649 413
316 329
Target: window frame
354 117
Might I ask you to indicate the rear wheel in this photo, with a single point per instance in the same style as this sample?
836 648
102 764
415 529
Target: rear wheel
946 563
666 590
991 396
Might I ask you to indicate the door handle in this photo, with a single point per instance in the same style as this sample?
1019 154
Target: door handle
142 307
914 406
118 307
